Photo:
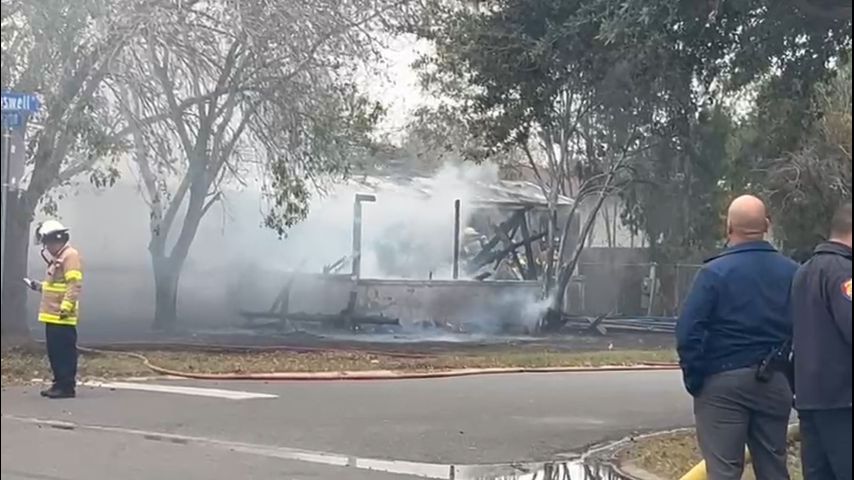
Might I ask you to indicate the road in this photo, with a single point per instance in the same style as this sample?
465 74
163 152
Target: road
413 429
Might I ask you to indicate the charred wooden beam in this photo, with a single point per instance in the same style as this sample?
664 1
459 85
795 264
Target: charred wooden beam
493 257
480 259
336 266
606 324
506 239
321 318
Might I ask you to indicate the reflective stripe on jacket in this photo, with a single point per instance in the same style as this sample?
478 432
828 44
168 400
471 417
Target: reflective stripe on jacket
61 289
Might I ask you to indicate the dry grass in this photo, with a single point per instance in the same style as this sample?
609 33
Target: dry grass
23 366
671 456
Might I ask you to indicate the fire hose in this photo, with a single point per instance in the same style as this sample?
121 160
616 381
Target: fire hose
372 375
119 347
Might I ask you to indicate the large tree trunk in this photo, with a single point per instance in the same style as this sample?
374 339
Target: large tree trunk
553 319
168 268
167 276
14 296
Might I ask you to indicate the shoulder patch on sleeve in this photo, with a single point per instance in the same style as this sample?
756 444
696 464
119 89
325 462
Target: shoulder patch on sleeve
846 289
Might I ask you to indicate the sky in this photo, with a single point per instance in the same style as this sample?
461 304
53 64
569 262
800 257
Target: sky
395 84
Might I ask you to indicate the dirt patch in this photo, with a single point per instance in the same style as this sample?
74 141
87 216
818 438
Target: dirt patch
26 365
670 456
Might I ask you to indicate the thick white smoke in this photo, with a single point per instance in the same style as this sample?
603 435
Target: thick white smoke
407 233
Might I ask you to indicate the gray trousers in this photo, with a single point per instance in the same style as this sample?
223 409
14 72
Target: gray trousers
733 410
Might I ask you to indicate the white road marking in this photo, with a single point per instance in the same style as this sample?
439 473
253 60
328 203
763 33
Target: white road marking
181 390
416 469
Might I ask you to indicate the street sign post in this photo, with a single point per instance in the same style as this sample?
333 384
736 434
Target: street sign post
16 109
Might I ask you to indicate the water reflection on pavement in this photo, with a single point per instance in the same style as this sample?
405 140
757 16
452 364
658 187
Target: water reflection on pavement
574 470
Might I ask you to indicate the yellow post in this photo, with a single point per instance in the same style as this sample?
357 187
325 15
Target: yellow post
696 473
699 472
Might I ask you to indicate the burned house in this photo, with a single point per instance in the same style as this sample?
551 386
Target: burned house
501 228
468 257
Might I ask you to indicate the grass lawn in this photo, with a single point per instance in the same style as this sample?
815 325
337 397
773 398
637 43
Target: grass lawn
26 365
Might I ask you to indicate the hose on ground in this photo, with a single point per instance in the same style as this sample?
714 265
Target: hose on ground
372 375
117 347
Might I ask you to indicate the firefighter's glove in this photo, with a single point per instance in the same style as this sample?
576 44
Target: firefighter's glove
66 310
33 285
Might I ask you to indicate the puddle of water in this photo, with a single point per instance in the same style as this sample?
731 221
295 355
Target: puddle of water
574 470
569 470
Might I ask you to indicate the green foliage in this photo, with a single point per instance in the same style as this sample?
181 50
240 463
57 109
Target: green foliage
583 78
655 68
61 51
332 136
680 206
797 152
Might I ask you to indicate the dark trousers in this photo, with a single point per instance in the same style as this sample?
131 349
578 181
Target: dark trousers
735 410
62 352
826 444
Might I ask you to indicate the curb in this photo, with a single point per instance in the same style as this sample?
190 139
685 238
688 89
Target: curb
629 470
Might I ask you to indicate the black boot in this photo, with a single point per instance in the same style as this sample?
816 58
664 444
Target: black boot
47 391
56 392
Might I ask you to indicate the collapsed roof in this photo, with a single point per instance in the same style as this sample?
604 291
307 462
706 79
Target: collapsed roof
499 193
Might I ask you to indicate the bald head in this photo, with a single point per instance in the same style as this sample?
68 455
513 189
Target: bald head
747 220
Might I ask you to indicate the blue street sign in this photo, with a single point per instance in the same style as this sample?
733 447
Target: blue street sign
13 120
20 102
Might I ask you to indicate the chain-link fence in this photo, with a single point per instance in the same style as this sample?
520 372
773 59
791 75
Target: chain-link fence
633 289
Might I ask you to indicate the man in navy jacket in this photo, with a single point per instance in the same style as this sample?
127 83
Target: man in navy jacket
733 320
821 310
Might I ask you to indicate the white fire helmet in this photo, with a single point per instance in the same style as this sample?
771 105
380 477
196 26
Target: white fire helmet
52 230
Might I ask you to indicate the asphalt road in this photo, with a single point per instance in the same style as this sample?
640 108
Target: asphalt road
423 426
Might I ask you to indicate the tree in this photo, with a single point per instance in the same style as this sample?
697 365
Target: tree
776 52
278 100
810 175
63 52
67 54
541 77
670 66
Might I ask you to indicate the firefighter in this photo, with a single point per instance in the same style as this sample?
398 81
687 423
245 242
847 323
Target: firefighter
59 309
821 310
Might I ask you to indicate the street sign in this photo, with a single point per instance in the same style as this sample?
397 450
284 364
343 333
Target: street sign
19 102
13 120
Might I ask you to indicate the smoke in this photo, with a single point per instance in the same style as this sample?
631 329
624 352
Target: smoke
408 233
235 263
